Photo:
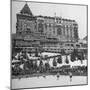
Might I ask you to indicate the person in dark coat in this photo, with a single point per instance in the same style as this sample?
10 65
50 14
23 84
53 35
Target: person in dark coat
70 75
58 75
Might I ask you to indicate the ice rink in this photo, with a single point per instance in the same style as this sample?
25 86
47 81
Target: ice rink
41 81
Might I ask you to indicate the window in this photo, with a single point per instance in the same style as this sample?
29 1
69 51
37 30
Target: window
20 32
67 30
28 30
40 27
45 26
71 31
75 32
53 29
77 45
63 29
49 25
35 26
72 45
59 31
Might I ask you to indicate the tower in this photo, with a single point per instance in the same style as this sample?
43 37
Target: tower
26 10
25 21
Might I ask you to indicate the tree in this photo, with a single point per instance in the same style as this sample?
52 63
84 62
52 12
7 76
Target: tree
67 61
47 66
54 62
36 52
41 63
59 60
81 56
72 57
74 54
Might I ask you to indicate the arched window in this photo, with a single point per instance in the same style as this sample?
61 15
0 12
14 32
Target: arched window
59 31
40 27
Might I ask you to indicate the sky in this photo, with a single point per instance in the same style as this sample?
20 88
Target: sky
75 12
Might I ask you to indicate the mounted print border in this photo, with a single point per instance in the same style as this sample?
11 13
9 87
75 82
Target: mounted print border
49 44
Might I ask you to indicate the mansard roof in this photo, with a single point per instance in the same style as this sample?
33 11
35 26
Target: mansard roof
26 10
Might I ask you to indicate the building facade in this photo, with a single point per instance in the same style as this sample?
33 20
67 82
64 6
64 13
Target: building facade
48 32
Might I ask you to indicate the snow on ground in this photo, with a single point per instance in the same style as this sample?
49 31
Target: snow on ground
48 81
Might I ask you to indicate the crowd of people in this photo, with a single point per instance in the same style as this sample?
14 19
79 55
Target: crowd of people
35 63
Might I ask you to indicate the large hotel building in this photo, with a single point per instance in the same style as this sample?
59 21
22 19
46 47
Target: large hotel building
49 33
